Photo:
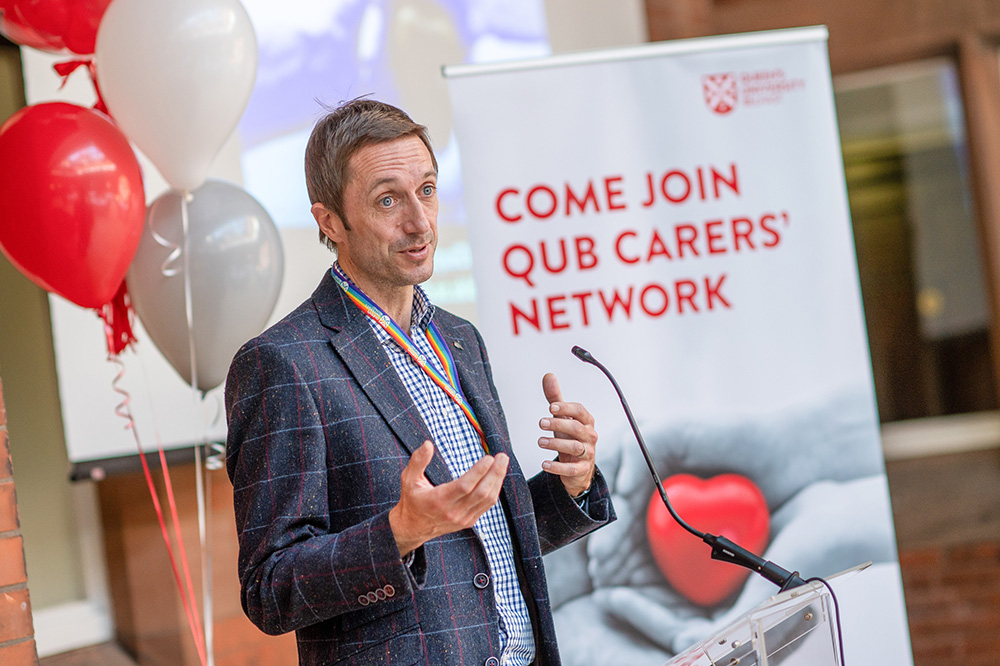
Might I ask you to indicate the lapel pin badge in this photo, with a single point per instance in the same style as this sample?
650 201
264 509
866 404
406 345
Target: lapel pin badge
457 344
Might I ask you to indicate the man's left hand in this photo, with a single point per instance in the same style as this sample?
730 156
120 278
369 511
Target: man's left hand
574 439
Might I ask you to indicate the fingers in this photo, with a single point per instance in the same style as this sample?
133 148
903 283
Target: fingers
422 457
575 472
482 482
487 491
567 427
480 486
458 504
418 463
571 425
578 469
425 511
564 446
567 410
573 438
550 387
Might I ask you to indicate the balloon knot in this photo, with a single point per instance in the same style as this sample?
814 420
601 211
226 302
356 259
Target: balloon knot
66 69
117 315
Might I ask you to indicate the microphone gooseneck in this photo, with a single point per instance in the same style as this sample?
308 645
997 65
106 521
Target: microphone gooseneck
585 356
723 549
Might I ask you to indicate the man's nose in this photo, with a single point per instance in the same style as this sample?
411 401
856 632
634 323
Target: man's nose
418 218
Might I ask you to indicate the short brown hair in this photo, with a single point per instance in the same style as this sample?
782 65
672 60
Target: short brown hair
341 133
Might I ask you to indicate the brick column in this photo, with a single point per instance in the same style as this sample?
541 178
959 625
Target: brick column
17 634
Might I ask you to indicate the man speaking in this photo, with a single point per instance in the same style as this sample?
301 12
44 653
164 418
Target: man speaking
380 512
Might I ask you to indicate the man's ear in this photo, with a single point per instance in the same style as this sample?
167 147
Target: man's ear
329 222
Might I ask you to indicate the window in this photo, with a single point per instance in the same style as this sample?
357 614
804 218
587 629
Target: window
923 288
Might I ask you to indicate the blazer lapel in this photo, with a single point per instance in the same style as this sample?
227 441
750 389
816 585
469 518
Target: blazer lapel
472 377
475 385
355 343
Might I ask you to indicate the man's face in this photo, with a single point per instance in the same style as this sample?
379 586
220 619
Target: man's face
390 205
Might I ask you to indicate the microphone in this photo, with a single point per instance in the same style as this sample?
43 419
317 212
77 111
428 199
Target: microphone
723 549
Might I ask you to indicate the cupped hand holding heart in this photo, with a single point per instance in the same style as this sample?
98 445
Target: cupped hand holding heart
727 505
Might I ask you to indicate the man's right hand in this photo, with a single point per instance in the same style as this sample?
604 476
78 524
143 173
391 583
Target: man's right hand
426 511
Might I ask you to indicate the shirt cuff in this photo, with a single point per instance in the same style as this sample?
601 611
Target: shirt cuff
415 564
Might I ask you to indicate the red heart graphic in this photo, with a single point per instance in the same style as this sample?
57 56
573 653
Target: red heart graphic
727 505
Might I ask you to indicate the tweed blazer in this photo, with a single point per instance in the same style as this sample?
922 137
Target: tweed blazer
320 428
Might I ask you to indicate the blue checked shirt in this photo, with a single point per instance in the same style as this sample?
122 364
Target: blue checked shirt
460 446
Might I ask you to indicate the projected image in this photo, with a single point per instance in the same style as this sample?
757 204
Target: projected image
315 52
319 53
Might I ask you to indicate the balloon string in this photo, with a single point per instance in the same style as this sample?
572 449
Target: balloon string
187 298
183 551
166 268
99 105
216 458
65 69
204 497
201 479
188 306
123 410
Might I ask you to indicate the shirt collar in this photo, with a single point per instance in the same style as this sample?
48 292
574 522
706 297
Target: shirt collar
423 310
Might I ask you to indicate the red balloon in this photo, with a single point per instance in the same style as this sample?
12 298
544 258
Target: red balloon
56 26
727 505
73 202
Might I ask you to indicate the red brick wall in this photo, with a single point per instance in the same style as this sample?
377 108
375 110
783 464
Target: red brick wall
947 512
953 603
17 635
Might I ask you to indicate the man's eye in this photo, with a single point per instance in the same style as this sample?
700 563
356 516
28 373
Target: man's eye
385 201
428 190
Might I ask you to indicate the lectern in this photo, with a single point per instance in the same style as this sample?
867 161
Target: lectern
797 627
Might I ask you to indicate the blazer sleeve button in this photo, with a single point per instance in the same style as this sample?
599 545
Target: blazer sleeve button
372 597
389 590
481 581
363 600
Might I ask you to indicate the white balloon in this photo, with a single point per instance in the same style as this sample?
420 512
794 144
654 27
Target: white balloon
236 267
176 75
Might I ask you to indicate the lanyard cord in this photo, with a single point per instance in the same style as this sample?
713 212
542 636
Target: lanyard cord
448 382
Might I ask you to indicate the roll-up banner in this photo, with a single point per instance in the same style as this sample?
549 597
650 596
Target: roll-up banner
679 210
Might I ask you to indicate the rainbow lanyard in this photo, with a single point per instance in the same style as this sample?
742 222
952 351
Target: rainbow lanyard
448 382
